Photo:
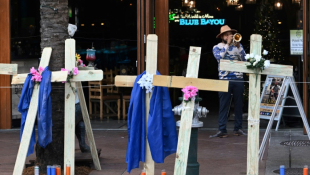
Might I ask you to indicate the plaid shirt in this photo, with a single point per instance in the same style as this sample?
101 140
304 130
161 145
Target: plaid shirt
223 51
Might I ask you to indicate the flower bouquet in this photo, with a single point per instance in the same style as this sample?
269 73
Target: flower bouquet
257 62
190 93
74 71
36 74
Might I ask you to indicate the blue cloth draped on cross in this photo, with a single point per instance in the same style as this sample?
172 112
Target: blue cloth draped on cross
44 115
162 134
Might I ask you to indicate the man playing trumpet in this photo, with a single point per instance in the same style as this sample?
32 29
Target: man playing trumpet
230 49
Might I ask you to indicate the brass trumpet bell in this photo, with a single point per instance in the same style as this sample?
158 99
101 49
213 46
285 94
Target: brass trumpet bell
237 37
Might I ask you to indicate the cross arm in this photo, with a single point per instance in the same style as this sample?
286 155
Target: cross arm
88 75
240 66
57 76
8 69
124 81
181 82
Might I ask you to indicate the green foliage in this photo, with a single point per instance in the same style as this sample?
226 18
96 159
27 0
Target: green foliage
266 25
259 65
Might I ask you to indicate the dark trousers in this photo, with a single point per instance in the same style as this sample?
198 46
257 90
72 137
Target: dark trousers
237 89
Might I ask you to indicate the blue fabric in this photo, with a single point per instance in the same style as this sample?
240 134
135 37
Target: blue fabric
44 110
23 107
162 134
44 117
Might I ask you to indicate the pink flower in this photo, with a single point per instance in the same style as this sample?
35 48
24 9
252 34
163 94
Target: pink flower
186 96
41 69
75 71
193 94
84 65
33 71
80 61
190 87
189 92
63 69
38 78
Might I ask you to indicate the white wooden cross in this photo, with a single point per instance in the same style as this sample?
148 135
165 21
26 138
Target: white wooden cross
128 81
86 75
57 76
178 82
188 108
254 98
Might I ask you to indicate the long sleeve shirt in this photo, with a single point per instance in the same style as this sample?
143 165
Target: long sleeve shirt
223 51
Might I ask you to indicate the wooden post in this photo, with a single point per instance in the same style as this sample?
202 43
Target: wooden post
5 57
89 131
253 111
187 116
254 98
151 66
89 75
69 108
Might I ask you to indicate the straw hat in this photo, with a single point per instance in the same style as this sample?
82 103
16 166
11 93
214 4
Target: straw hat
224 29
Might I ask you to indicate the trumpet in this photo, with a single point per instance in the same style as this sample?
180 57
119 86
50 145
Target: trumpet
237 38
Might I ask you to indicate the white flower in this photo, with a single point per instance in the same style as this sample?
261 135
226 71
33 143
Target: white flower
257 58
255 63
146 82
251 55
265 52
247 56
149 77
267 63
141 82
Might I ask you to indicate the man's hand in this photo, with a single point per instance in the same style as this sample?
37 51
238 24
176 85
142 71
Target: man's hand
237 45
229 39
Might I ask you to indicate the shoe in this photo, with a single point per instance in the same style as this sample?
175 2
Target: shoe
240 132
219 134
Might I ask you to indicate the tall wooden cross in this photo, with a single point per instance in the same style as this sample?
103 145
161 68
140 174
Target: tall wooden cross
254 98
33 108
177 82
60 76
128 81
188 108
86 75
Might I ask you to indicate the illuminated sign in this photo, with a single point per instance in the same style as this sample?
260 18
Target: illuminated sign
193 18
201 22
